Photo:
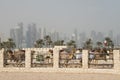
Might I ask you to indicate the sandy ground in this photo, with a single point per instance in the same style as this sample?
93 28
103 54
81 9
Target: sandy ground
56 76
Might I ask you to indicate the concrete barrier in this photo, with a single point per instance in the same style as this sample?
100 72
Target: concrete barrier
55 68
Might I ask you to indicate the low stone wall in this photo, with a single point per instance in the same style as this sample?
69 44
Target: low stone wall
55 68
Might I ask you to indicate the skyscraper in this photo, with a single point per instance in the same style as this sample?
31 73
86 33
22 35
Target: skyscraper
75 37
39 34
17 35
93 37
110 34
100 36
21 34
14 34
44 32
82 39
31 35
54 35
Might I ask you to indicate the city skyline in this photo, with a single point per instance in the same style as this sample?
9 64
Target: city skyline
62 15
27 37
25 28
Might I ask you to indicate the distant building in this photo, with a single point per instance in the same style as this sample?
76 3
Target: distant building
82 39
39 34
93 37
31 35
117 41
44 33
100 37
54 35
110 34
17 35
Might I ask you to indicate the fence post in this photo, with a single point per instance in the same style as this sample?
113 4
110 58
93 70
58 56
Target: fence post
116 56
28 58
55 58
1 58
85 59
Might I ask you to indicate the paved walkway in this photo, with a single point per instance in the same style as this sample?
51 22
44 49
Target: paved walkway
56 76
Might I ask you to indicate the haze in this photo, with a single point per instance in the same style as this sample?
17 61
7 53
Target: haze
61 15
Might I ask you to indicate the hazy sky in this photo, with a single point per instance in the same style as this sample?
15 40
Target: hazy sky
62 15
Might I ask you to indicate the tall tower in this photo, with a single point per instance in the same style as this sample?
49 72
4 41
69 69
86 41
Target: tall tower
21 32
82 39
31 35
12 34
76 37
110 34
93 37
39 34
54 35
44 32
16 34
100 36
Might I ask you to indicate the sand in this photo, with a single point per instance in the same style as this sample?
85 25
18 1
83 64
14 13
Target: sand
56 76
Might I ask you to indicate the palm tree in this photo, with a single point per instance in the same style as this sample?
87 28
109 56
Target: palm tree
59 42
71 43
48 40
39 43
88 44
9 44
99 44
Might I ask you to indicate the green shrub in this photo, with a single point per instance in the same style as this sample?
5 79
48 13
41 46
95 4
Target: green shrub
39 58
